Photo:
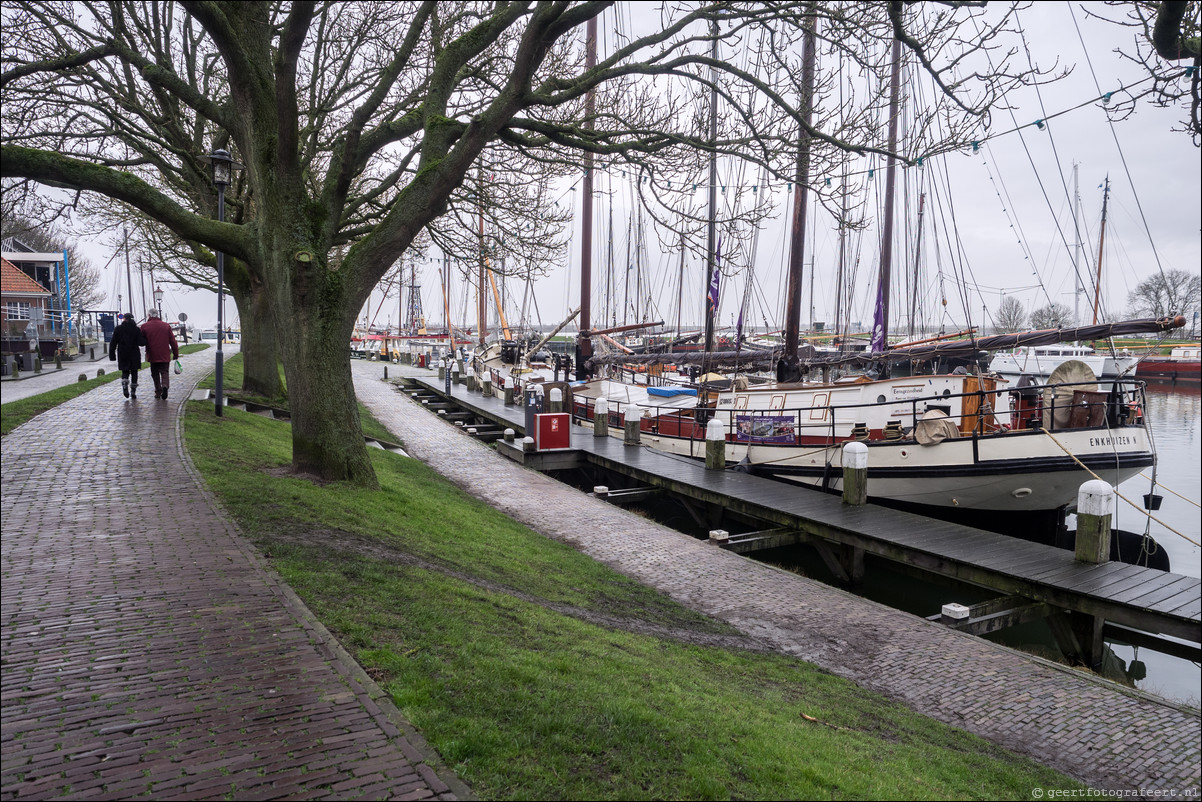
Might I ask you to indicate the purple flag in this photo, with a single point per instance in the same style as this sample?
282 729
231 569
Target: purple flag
878 322
712 298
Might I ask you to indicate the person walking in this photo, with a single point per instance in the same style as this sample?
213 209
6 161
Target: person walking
124 348
161 348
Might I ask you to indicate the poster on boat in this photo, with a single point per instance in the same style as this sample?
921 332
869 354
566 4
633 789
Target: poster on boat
765 429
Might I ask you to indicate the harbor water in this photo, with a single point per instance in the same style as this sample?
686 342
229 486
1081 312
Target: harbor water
1174 414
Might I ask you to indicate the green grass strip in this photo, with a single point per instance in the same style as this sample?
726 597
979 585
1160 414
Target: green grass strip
538 673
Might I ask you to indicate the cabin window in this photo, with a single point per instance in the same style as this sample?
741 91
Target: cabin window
818 408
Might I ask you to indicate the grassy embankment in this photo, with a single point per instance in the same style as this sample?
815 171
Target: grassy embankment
14 414
539 673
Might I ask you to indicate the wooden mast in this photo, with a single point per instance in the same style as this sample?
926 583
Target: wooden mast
711 228
584 347
787 369
880 334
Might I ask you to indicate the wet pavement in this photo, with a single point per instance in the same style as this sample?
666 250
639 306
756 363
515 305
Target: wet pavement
148 650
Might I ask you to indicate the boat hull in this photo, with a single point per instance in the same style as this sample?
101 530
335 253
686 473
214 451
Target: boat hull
1028 472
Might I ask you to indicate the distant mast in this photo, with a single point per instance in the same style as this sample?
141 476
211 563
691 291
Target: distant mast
1097 288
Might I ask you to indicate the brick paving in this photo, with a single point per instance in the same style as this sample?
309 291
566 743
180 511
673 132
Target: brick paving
1097 731
149 652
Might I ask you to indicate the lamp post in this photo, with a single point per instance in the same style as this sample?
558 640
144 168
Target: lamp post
158 301
223 168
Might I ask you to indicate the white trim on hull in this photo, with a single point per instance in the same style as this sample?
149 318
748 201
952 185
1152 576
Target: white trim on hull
1023 472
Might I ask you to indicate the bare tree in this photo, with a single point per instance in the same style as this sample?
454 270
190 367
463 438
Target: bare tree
1173 292
1165 35
363 124
1011 314
1053 316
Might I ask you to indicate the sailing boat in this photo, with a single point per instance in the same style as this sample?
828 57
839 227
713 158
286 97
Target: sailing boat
978 449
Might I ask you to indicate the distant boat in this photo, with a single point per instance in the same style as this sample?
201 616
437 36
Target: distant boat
1181 364
1040 361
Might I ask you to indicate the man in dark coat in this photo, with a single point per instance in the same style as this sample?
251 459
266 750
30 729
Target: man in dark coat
161 348
124 349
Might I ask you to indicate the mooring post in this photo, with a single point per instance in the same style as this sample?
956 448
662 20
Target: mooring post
715 445
1094 500
469 378
855 473
509 435
555 400
601 492
633 420
442 369
509 391
455 372
528 445
486 385
601 418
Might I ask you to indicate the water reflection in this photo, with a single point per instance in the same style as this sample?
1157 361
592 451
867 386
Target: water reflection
1174 414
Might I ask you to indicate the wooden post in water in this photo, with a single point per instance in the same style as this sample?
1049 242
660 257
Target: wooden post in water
715 445
1094 499
601 418
555 400
855 473
633 418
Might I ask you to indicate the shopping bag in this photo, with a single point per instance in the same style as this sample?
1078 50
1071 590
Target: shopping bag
178 367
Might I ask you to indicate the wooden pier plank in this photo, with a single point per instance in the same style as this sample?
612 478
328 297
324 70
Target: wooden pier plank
1128 595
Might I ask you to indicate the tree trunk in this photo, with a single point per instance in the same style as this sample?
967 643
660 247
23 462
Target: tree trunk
260 357
327 436
315 320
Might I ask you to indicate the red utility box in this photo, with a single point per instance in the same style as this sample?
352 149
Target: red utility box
552 431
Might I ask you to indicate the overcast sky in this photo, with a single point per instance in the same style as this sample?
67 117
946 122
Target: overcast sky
1006 200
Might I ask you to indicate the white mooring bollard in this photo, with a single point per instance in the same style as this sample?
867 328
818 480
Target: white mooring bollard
855 473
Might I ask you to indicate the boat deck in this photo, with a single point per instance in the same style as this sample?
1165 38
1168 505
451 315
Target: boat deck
1128 595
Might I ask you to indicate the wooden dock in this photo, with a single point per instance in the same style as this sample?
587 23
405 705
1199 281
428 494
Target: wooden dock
1034 580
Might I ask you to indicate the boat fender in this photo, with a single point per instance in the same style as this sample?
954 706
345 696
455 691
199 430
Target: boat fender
744 466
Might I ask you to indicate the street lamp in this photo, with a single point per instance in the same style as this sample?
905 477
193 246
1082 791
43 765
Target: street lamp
158 301
223 168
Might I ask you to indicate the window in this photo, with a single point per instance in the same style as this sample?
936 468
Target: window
16 310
